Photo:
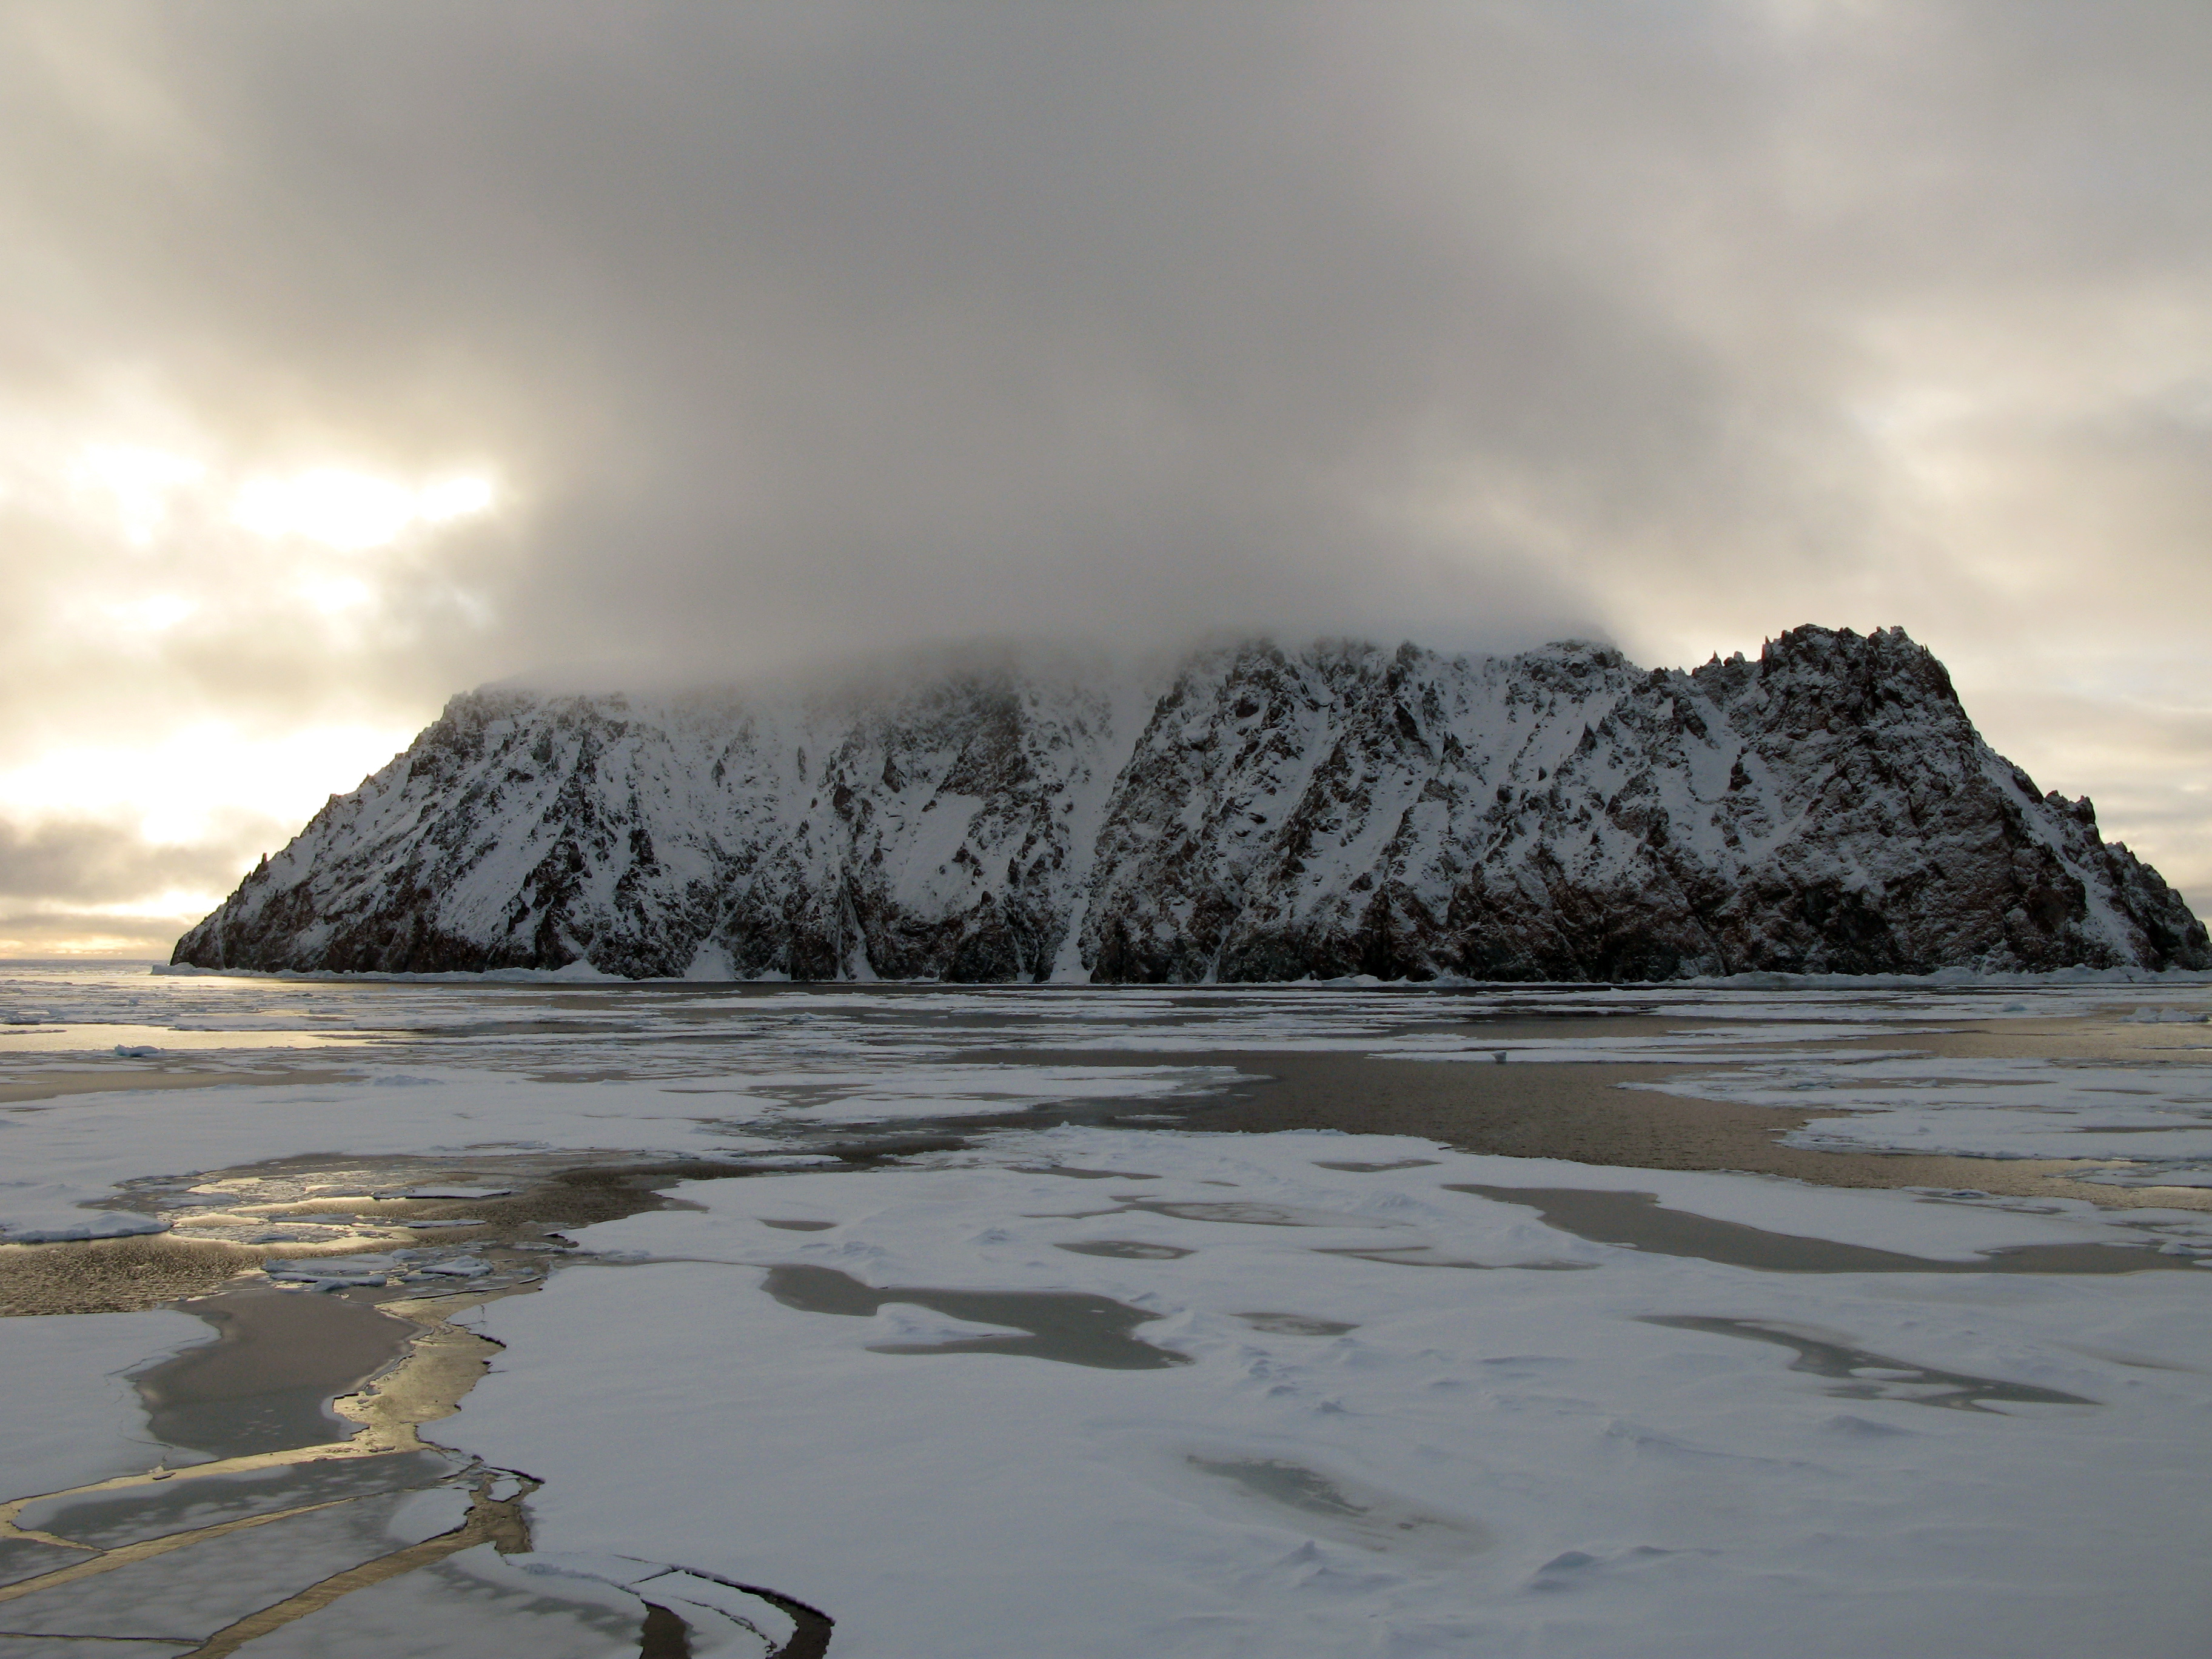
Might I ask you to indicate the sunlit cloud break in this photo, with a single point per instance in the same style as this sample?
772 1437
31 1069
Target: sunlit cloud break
353 511
136 483
143 493
1481 325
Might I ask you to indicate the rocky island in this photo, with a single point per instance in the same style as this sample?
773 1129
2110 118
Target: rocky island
1258 813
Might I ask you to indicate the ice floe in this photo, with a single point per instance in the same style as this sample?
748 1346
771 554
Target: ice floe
1377 1461
1090 1391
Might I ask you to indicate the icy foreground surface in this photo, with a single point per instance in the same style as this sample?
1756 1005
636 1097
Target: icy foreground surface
1499 1457
1345 1411
391 1069
1258 815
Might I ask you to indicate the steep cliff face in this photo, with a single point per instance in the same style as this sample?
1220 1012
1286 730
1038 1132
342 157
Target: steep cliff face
1267 815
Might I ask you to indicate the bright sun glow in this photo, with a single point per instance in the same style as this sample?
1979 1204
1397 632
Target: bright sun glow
170 550
180 788
334 595
143 492
462 497
136 482
353 511
156 614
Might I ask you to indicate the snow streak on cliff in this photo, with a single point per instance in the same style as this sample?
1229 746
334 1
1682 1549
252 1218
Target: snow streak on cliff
1269 814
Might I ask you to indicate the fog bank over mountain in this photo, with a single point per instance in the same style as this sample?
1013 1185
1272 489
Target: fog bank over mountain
358 353
1248 813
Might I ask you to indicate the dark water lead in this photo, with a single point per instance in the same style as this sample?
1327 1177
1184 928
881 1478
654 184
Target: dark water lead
1074 1174
1128 1249
1289 1324
1865 1375
1072 1327
1427 1256
664 1635
667 1634
1636 1221
1243 1213
265 1382
1372 1169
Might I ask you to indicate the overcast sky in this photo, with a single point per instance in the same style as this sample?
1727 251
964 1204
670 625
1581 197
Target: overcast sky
355 354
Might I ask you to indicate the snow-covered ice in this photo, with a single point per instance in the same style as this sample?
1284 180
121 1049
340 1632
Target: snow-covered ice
1291 1393
1500 1460
1982 1107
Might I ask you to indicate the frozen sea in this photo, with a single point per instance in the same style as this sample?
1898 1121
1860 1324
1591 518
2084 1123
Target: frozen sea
960 1327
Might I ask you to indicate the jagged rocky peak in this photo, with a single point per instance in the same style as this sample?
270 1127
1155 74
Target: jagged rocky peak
1256 812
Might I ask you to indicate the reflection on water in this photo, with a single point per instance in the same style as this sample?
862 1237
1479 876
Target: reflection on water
265 1382
106 1521
26 1558
1070 1326
1637 1221
153 1041
1865 1375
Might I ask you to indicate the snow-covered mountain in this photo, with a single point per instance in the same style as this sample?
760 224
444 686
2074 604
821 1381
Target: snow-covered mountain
1263 814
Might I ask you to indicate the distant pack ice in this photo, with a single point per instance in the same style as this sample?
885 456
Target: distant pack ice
1263 814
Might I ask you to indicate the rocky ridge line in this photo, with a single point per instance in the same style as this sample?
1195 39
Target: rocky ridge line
1268 815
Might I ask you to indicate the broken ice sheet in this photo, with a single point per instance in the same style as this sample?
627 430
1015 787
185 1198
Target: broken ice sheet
1689 1487
472 1602
195 1591
1050 1489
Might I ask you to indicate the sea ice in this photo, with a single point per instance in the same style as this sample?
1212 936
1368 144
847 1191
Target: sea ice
1483 1451
87 1424
1979 1108
1391 1426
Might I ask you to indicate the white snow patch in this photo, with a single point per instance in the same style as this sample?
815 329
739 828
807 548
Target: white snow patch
1480 1450
711 962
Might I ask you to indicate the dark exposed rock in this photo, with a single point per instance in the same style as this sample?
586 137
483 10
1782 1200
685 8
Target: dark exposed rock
1269 815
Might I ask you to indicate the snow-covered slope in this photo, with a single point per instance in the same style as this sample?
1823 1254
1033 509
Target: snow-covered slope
1269 814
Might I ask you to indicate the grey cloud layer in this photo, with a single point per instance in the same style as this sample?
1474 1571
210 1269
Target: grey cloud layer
807 330
91 861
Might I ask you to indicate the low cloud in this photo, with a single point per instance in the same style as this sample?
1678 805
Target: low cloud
100 863
61 933
83 886
789 333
